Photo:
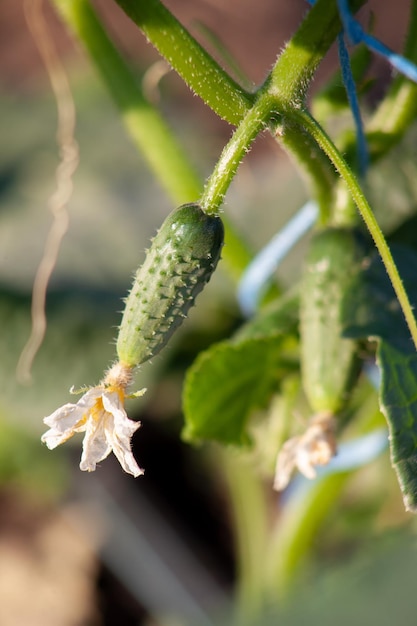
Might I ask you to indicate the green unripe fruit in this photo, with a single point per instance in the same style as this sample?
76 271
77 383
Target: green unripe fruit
180 261
328 360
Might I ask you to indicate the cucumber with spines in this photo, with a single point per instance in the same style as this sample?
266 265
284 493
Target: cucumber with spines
180 261
329 361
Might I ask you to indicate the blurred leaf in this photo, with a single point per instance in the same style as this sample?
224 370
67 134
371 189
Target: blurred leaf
372 309
374 312
277 318
227 382
375 587
406 232
398 396
240 374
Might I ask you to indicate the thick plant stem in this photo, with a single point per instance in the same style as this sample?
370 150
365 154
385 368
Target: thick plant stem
196 67
292 73
367 215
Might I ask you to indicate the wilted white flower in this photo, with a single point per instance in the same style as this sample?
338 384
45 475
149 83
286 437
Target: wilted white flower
317 446
100 413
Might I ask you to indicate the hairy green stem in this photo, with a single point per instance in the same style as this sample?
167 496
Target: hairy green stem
292 73
367 215
288 81
196 67
218 183
283 92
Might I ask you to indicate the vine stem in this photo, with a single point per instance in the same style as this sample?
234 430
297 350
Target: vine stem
305 120
252 124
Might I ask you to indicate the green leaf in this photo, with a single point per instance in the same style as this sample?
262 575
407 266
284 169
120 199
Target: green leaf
227 382
374 312
398 397
278 317
406 232
372 309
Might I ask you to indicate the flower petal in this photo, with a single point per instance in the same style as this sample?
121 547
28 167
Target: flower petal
305 463
64 422
100 413
285 464
68 419
95 445
68 415
119 431
64 418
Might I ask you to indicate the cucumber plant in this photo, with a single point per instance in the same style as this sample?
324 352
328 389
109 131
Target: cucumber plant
280 106
312 344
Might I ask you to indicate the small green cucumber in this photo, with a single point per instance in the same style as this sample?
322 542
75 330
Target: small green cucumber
180 261
329 362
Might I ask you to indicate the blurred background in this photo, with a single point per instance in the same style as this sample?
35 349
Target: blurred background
104 549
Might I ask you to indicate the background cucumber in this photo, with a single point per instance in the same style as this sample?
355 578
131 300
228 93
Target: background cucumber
328 360
181 260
